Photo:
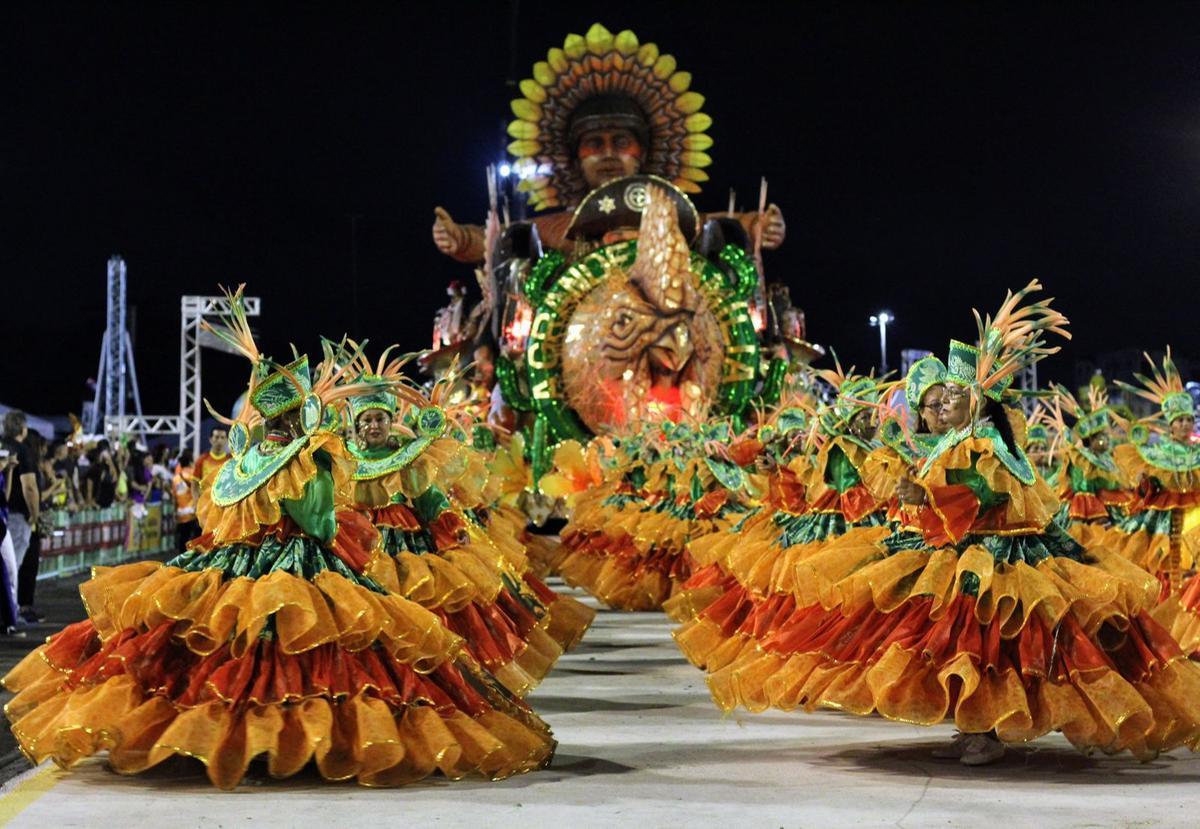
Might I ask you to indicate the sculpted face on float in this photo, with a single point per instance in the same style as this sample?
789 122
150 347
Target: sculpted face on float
607 154
484 366
373 427
1182 427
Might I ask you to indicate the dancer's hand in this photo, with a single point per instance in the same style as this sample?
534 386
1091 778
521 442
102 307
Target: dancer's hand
910 493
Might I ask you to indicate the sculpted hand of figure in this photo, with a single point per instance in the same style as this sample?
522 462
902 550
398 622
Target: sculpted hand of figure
450 237
775 229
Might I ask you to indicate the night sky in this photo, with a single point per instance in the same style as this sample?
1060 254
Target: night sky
926 156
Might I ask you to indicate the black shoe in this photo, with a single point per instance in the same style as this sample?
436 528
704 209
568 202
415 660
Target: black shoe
30 616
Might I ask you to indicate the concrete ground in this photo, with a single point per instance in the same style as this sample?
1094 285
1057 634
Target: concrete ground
642 745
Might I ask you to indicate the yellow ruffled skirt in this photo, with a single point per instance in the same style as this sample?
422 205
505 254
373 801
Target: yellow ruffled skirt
170 662
924 635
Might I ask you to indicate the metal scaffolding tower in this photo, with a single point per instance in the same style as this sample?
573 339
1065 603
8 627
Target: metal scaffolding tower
192 339
1027 380
116 357
117 376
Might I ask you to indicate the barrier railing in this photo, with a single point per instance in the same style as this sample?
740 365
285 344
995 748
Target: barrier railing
80 540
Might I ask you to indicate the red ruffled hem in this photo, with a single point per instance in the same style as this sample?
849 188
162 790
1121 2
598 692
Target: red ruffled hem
1164 499
1086 506
674 564
495 634
356 539
396 517
867 633
856 503
710 576
263 675
785 492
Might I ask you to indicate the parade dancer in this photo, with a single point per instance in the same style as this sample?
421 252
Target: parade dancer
996 619
423 485
267 638
1159 533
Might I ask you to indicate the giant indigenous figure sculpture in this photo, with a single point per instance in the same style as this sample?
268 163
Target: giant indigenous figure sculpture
600 108
634 303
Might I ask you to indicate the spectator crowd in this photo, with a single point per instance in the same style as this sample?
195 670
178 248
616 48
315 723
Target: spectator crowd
39 478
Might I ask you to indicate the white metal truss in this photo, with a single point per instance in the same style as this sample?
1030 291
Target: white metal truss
908 356
1027 380
142 425
116 354
193 309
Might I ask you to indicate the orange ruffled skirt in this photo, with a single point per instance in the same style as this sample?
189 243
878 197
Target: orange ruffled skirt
171 662
512 623
1061 646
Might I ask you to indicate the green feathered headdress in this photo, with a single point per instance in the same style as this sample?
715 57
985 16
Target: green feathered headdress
923 375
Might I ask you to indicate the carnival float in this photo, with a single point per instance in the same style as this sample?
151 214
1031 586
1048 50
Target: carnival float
619 301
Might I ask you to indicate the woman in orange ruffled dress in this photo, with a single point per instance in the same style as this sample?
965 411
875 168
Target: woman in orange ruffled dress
815 501
626 542
1093 489
1161 532
770 484
992 615
423 486
268 638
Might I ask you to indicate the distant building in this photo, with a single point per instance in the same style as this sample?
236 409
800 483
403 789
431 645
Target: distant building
908 356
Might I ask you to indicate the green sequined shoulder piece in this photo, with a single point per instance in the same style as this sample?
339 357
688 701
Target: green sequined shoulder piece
242 477
1016 463
373 464
892 435
1171 456
1105 463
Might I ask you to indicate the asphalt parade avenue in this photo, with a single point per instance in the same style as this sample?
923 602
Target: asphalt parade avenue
641 744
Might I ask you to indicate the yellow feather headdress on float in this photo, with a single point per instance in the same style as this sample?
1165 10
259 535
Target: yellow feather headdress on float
603 65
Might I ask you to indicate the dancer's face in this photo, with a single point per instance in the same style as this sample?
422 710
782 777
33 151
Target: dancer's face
861 426
1182 428
956 408
1100 442
931 409
373 427
284 428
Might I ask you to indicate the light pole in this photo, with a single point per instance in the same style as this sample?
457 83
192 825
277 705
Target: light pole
881 321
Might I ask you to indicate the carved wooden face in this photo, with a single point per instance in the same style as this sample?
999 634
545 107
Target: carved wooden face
608 154
625 360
